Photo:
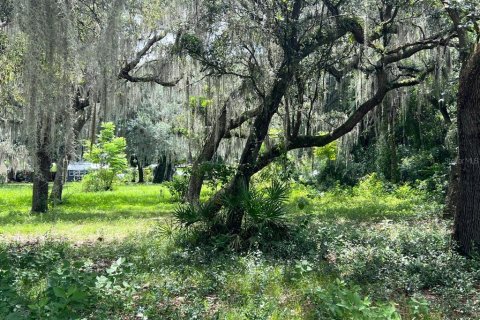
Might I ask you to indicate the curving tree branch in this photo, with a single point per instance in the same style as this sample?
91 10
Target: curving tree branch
130 66
308 141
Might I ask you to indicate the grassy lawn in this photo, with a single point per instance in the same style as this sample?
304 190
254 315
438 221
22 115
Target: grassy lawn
84 215
130 209
367 252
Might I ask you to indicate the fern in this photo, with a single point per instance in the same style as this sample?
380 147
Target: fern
189 214
263 209
277 191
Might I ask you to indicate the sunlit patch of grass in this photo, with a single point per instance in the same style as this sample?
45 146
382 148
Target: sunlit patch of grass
371 200
134 208
15 197
84 215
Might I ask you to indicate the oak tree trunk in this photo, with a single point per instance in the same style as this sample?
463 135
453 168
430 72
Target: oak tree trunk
206 154
467 219
235 218
256 138
40 181
163 171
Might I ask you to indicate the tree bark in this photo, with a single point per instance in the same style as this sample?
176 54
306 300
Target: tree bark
220 129
209 148
57 189
467 219
235 217
258 133
66 152
452 192
40 181
140 173
159 174
392 145
163 171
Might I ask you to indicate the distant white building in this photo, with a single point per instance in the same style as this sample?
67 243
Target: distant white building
76 170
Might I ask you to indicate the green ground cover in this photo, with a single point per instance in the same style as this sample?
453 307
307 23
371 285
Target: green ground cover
370 252
84 215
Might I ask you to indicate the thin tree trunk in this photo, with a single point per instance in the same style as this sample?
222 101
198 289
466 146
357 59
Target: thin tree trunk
394 172
442 107
158 174
190 118
452 191
221 128
140 173
206 154
57 189
58 183
467 219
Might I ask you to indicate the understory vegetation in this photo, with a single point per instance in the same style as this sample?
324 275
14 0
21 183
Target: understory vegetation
372 251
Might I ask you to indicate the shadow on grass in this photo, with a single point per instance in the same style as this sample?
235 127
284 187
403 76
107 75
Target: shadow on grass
16 217
137 202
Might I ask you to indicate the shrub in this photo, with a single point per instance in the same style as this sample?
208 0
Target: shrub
109 154
264 217
302 202
178 187
216 173
388 258
54 285
148 174
265 210
338 301
98 180
189 214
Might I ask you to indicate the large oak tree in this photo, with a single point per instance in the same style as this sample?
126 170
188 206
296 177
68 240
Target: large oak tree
273 45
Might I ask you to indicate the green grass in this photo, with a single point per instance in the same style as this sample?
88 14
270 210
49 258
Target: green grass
370 200
84 215
357 253
135 208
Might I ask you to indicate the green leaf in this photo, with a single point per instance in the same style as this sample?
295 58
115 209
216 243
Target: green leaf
15 316
78 296
59 292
